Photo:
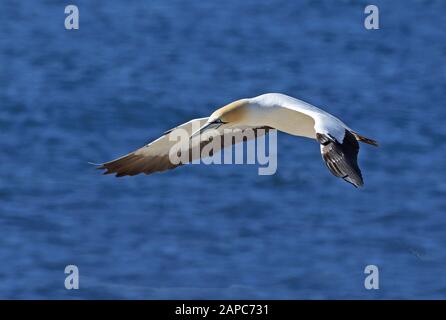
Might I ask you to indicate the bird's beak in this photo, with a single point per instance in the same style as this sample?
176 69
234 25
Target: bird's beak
207 126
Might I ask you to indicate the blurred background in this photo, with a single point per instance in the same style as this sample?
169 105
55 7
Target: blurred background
137 68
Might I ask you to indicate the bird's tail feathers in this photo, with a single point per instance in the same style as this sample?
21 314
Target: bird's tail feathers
364 139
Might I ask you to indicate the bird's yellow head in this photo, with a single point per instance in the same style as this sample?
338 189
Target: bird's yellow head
230 115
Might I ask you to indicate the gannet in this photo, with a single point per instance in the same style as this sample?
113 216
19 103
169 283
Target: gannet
338 143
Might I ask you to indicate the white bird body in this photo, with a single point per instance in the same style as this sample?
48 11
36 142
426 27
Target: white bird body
295 116
339 146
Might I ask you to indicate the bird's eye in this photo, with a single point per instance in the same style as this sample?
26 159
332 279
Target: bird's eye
218 121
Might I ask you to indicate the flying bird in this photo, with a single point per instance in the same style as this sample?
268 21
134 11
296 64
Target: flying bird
338 143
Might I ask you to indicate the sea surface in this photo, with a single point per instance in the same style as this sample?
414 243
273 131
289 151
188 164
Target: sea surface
135 69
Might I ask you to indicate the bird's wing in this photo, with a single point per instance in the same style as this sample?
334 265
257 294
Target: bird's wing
156 156
341 158
339 146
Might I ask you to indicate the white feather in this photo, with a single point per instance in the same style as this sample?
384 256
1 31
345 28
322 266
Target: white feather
324 122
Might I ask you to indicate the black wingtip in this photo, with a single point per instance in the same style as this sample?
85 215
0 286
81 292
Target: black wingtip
342 158
357 183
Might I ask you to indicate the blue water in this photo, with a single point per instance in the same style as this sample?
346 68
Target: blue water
137 68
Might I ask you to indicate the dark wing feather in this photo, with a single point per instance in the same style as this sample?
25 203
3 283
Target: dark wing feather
133 164
342 158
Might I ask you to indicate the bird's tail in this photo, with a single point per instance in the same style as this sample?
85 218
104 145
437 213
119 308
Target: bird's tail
364 139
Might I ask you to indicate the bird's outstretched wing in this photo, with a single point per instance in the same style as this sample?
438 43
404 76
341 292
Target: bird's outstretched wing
341 158
155 156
